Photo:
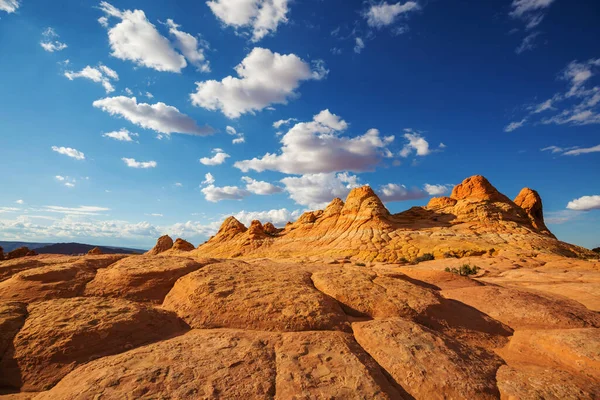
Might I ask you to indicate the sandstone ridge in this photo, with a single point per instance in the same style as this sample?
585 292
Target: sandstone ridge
476 219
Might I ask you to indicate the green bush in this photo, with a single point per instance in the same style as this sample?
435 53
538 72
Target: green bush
464 270
360 264
424 257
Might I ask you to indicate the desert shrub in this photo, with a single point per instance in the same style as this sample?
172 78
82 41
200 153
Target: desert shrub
403 260
596 250
464 270
424 257
360 264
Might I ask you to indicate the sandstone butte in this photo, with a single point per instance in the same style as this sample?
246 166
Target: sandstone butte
350 302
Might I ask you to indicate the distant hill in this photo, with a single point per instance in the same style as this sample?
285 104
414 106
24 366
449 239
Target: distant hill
10 246
67 248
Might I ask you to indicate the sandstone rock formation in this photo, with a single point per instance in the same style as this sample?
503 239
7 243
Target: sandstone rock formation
94 252
234 294
20 252
1 253
475 220
340 313
60 334
163 244
182 245
142 278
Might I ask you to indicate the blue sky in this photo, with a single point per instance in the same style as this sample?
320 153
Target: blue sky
124 120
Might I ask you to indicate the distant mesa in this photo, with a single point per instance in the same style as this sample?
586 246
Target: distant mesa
476 219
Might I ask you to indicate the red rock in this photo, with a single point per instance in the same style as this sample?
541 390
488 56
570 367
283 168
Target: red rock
531 202
163 244
182 245
95 252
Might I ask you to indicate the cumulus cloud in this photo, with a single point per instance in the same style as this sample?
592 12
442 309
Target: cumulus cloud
260 16
133 163
416 144
66 180
278 217
50 41
101 74
190 46
136 39
122 135
317 147
585 203
159 117
317 190
578 104
436 190
20 201
209 179
10 6
384 14
239 136
282 122
264 78
70 152
218 159
260 187
394 192
215 194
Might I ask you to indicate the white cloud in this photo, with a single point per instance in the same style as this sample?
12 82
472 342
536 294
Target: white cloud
101 74
359 45
137 39
394 192
218 159
261 16
437 190
572 151
159 117
524 8
10 6
277 217
68 151
260 187
264 78
416 143
317 190
103 21
122 135
190 47
215 194
149 95
155 215
281 122
316 147
528 43
515 125
178 184
585 203
384 14
578 104
48 42
132 163
20 202
209 179
81 210
239 135
128 91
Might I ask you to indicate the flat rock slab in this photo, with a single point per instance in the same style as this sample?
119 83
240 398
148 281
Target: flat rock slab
522 309
233 364
10 267
428 365
577 350
60 334
270 297
217 364
363 292
142 278
328 365
524 381
47 282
